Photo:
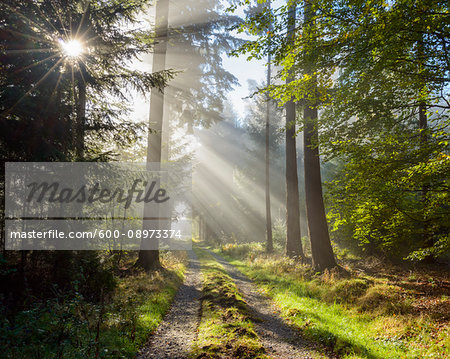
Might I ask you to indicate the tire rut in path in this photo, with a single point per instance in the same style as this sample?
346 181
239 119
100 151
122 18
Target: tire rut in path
277 337
174 336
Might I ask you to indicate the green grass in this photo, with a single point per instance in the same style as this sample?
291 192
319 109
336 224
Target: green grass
358 317
138 306
226 329
70 327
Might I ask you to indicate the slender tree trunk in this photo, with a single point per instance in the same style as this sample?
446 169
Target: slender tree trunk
203 229
423 118
81 118
2 209
293 234
423 126
322 252
269 245
199 227
149 259
81 104
423 122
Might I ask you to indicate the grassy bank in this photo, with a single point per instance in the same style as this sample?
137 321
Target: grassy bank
359 317
225 329
72 326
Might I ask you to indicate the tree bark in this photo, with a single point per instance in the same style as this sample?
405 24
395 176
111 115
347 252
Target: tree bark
322 252
81 118
149 259
293 234
423 126
269 238
81 104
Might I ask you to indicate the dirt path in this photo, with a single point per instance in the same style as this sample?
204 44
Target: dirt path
280 340
177 331
174 337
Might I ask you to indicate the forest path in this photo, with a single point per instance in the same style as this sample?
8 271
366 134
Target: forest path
277 337
176 333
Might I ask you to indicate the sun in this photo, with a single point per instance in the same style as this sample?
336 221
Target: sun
71 48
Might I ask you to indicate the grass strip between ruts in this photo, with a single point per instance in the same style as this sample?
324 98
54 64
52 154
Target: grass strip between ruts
226 329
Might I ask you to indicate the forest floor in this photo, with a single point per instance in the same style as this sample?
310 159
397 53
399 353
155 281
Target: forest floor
279 339
219 313
238 302
174 336
378 310
71 322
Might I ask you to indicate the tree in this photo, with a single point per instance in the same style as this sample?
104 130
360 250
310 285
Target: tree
291 54
65 78
37 40
387 117
257 9
196 96
269 238
293 233
149 259
321 250
379 82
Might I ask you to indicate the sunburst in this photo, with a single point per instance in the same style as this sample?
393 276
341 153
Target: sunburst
66 46
72 49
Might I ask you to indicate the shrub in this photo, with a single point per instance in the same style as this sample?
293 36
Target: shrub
347 290
242 251
384 299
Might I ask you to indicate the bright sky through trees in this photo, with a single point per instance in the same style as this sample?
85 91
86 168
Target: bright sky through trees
72 48
238 66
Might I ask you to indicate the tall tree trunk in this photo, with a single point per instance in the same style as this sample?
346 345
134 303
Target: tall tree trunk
322 252
81 103
293 234
81 118
269 244
149 259
423 126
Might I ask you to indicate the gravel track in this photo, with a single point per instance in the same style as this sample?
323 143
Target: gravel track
277 337
176 333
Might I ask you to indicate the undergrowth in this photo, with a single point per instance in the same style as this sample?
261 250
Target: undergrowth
358 317
70 326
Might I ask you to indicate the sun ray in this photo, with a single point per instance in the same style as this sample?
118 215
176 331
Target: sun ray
56 87
83 36
31 37
58 14
46 19
32 89
85 64
35 64
30 22
87 41
26 51
82 19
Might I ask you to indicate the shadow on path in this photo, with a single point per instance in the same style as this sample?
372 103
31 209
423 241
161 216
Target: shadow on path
278 338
